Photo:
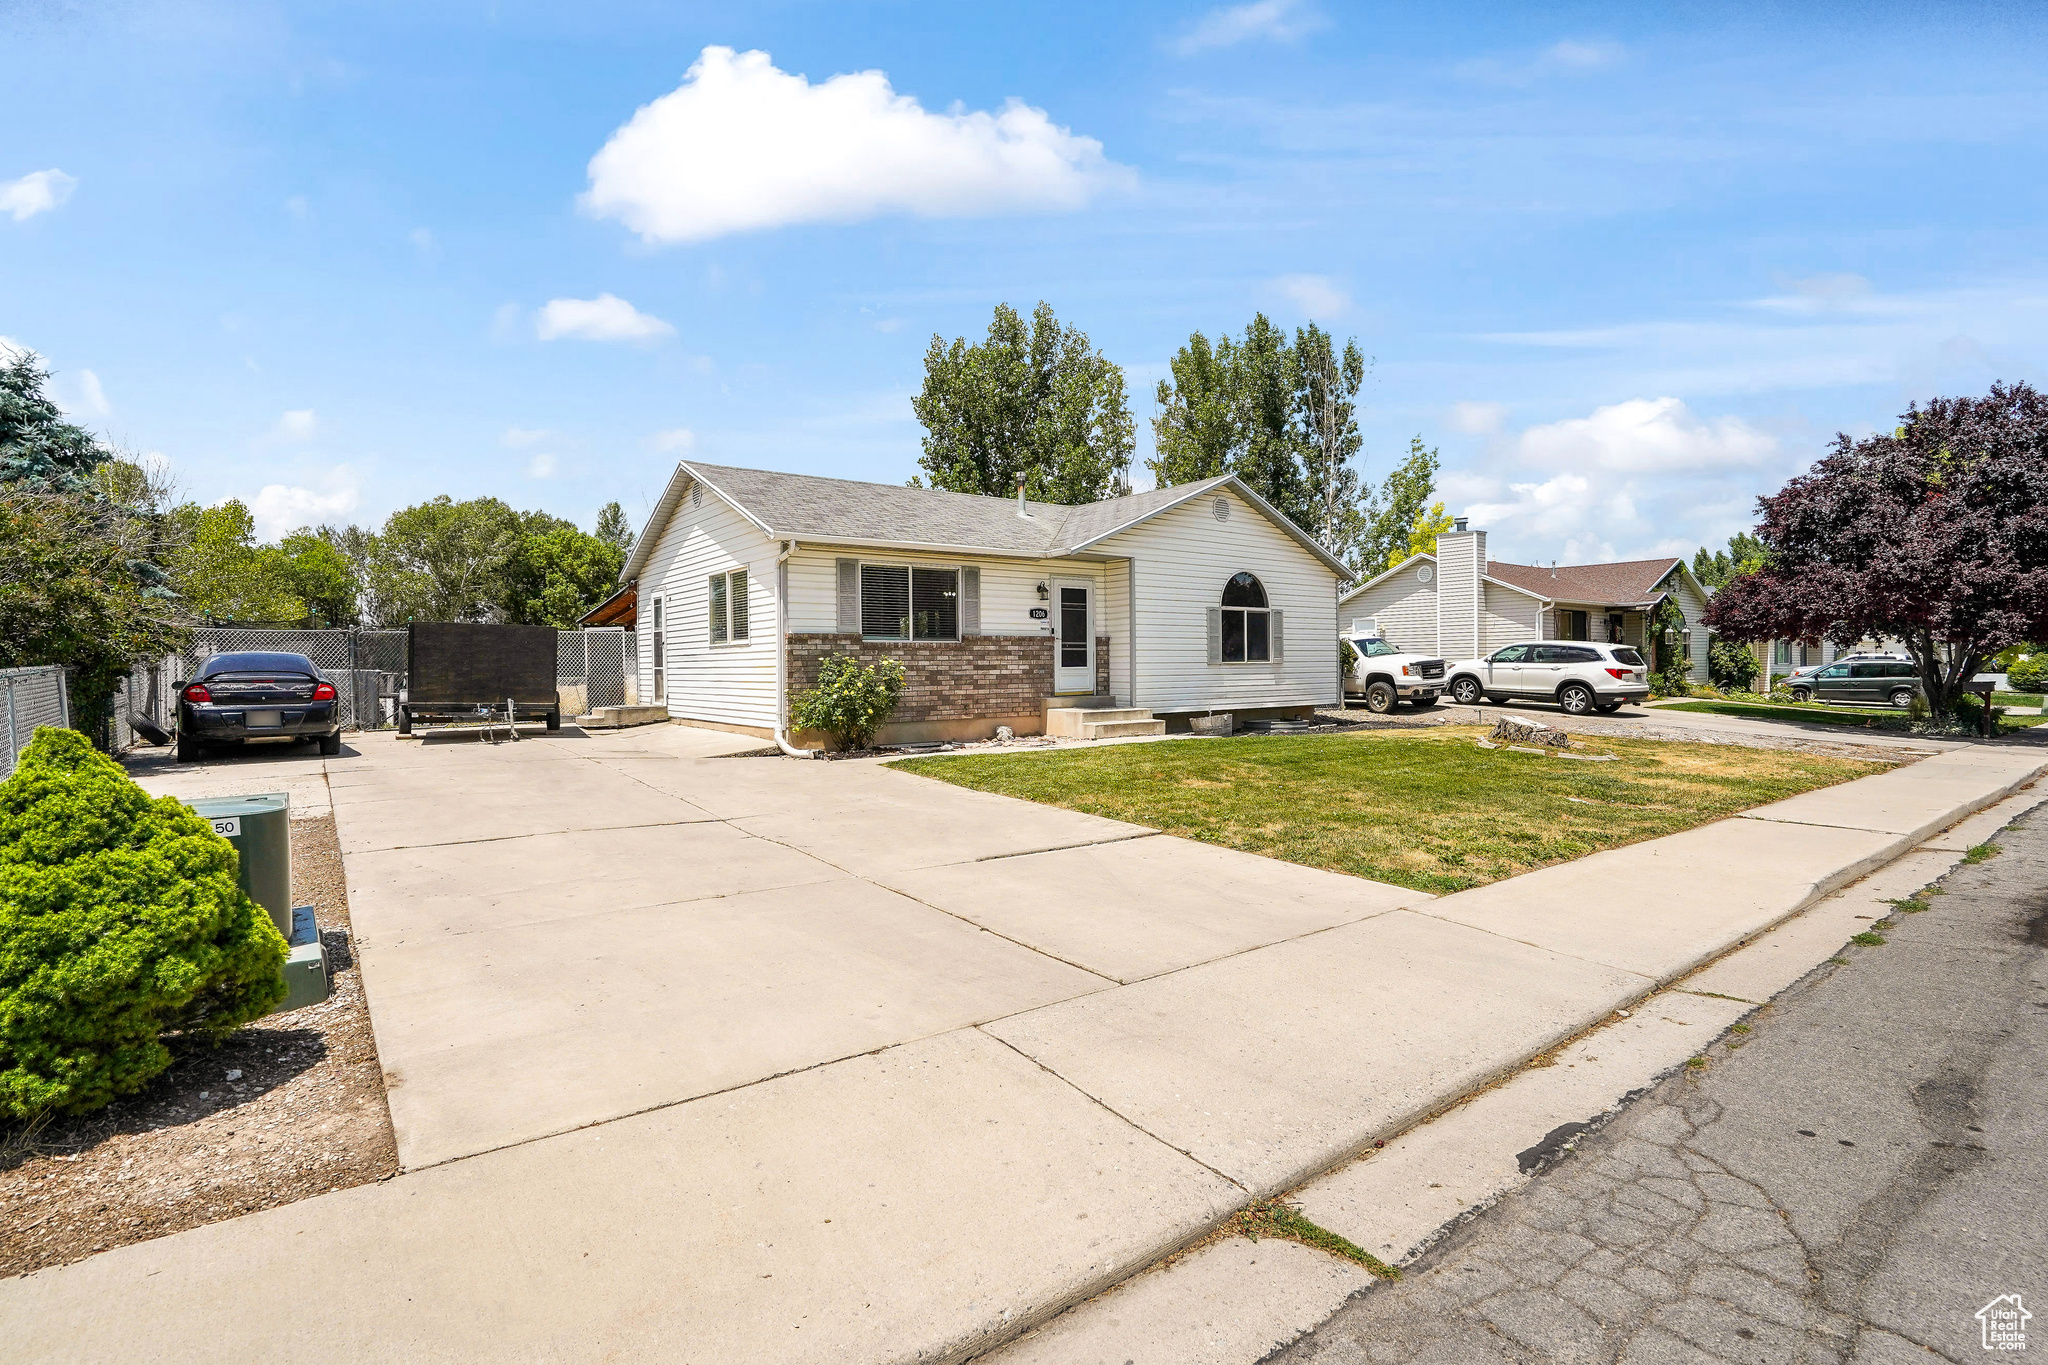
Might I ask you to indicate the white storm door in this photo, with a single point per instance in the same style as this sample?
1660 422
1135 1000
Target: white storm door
1073 645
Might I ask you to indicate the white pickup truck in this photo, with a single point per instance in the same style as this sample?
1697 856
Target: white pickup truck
1384 675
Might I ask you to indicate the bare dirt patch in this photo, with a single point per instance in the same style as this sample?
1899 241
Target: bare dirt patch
305 1115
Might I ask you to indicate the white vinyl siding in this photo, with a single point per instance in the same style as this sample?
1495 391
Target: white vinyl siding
1009 587
1507 617
1182 560
1695 607
1402 605
732 683
1113 619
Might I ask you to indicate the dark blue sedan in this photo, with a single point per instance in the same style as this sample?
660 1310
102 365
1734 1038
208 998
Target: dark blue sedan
239 697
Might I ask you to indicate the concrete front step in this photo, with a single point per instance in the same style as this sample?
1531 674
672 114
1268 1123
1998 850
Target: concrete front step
619 717
1067 721
1117 729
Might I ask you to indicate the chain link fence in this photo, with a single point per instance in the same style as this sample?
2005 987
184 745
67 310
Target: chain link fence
35 697
367 668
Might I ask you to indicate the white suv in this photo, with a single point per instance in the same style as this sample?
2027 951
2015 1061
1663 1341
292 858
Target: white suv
1577 675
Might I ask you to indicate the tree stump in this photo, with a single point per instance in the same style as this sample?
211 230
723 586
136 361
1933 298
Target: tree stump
1513 731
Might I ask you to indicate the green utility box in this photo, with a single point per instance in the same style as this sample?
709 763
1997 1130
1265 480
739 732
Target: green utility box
305 968
260 828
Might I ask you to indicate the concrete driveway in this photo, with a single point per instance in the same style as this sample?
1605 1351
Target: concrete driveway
699 1057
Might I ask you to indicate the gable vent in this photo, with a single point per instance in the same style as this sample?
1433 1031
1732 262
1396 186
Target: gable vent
1222 509
697 495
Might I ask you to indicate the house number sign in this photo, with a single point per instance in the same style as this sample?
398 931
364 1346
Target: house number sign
1038 613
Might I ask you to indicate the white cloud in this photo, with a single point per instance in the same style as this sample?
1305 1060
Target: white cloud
679 439
604 318
518 438
1823 293
297 425
91 397
541 466
1568 58
1315 295
37 192
1650 435
741 146
1274 20
1478 419
279 509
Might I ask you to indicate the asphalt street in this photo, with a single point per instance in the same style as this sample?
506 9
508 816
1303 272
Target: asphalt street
1853 1178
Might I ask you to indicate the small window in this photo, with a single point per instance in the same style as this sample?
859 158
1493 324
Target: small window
1868 671
901 602
728 607
1247 624
660 662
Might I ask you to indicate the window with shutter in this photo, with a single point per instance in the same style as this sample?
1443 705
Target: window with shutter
1245 623
905 602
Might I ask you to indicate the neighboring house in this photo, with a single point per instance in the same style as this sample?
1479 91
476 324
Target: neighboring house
1459 604
1180 601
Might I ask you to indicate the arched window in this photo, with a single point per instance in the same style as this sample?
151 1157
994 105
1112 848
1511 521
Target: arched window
1247 627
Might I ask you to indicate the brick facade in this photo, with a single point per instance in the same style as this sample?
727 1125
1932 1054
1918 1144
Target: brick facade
981 675
1102 666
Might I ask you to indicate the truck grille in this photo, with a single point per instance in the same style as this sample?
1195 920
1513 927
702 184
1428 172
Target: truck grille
1432 668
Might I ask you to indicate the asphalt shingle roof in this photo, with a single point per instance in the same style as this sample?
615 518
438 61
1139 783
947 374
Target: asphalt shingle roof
805 506
1617 585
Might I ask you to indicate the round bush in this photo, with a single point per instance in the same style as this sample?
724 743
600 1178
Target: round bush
2029 674
120 921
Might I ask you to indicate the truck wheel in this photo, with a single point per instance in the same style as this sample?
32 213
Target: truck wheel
1902 698
1801 694
1380 698
1465 691
1575 698
188 748
404 721
554 720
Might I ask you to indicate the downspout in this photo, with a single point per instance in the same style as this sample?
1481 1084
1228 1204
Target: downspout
782 654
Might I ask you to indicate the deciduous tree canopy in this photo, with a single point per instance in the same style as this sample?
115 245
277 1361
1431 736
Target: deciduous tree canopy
1035 401
1935 534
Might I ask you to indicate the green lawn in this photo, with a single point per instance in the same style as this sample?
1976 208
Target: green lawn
2015 699
1426 809
1859 717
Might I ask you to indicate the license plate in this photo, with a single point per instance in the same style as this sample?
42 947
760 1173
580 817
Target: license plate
263 720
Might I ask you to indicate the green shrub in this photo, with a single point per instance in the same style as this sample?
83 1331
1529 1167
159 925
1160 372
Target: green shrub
2029 674
1732 667
120 922
850 702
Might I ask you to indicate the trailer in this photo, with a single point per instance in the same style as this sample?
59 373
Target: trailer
461 672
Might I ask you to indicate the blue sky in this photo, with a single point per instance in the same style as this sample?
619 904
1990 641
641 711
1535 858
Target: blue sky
1627 266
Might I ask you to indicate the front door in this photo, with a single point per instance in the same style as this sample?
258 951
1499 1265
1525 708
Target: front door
1073 620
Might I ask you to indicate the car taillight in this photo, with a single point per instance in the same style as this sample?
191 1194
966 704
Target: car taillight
1618 673
324 692
199 694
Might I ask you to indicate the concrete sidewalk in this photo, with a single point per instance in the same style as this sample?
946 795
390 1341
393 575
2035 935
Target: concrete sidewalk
776 1060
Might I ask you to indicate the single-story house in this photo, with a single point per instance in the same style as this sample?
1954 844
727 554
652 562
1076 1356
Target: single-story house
1165 604
1459 604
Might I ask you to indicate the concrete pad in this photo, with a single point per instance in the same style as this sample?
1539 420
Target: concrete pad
491 1039
415 808
409 895
1773 961
1229 1303
875 821
1139 907
1916 800
1965 835
1271 1065
299 772
1393 1202
919 1203
1663 907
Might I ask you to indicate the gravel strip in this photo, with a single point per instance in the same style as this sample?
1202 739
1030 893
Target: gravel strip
305 1115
